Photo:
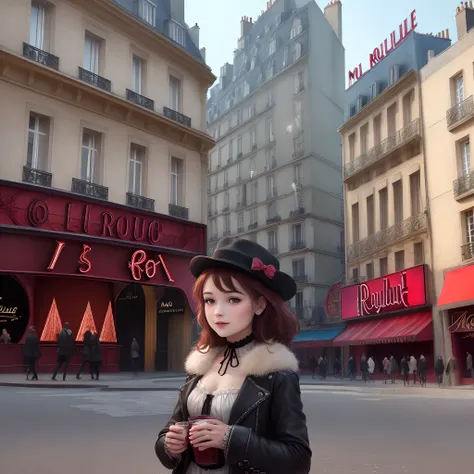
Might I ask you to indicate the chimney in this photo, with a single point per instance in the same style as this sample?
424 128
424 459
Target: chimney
246 25
203 53
194 33
177 10
464 19
333 14
431 54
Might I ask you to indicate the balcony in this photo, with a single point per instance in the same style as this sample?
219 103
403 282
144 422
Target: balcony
404 137
297 212
460 113
253 226
276 218
176 116
140 202
95 80
464 185
297 245
274 164
226 233
400 231
240 230
40 56
38 177
467 251
140 100
301 278
80 186
178 211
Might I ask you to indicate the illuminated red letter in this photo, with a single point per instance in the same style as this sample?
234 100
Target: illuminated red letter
168 274
83 260
57 253
138 258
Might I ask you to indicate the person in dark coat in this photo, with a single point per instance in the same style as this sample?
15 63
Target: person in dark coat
96 356
66 349
405 370
337 367
135 355
393 368
364 367
86 354
313 365
351 368
422 369
439 370
31 352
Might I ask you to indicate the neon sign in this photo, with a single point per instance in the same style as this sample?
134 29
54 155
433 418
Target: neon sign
140 264
386 46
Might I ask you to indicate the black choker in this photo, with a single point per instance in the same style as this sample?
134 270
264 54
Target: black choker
230 354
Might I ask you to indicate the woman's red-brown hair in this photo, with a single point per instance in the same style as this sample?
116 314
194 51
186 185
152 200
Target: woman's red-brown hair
276 324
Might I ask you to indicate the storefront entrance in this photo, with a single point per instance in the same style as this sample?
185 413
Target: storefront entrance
462 336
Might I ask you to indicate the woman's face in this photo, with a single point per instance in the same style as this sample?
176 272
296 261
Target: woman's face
230 313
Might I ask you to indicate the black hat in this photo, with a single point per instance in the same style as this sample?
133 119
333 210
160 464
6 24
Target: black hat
250 258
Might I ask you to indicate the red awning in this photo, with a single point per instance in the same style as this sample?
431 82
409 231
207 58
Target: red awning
458 288
409 328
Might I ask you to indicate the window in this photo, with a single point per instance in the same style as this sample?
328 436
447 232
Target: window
176 184
285 57
271 188
299 302
383 204
469 216
370 215
226 200
466 157
364 138
38 142
251 111
359 102
271 70
227 223
219 156
297 234
415 193
137 160
298 175
352 144
355 275
246 89
296 29
399 260
231 149
374 90
377 129
238 171
176 33
253 216
355 223
37 25
383 262
240 221
272 210
369 271
407 102
298 116
272 47
297 52
393 74
270 99
175 94
137 72
459 91
91 150
271 136
398 201
299 82
254 192
239 116
298 267
272 241
91 53
419 253
392 120
226 177
147 11
214 204
252 63
252 166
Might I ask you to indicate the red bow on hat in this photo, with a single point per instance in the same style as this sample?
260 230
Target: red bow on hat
269 270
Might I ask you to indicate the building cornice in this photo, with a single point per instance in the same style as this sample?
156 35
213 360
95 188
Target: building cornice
386 95
55 84
130 25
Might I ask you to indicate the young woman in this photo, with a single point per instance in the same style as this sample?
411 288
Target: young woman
241 372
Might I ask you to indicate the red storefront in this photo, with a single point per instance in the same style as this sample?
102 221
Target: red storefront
116 269
388 316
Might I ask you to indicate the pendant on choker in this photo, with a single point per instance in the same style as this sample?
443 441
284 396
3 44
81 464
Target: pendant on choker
230 355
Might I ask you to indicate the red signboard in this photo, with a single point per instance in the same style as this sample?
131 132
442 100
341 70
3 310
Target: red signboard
60 212
386 46
398 291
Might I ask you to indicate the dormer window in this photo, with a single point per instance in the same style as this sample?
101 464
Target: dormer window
374 90
271 70
176 32
393 74
285 57
296 29
272 47
246 89
359 103
252 63
298 52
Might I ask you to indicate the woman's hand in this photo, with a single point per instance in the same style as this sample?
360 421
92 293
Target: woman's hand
175 440
209 434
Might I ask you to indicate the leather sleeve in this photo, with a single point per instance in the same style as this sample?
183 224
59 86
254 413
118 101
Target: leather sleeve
169 463
288 450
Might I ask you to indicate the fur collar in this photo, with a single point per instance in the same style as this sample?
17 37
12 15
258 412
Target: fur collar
260 360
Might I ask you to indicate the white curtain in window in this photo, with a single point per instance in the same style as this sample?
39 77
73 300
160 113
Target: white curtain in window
38 140
91 54
137 74
135 170
37 23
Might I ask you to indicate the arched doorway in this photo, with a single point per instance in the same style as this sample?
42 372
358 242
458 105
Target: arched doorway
130 317
14 308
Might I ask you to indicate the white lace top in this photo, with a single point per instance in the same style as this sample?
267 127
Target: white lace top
220 409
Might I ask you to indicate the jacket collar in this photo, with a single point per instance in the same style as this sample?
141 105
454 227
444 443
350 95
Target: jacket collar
261 360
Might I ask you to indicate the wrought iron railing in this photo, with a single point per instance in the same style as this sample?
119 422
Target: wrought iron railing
176 116
40 56
141 202
460 111
467 251
253 226
276 218
86 188
297 212
404 135
226 233
402 230
297 245
463 184
178 211
95 79
140 100
39 177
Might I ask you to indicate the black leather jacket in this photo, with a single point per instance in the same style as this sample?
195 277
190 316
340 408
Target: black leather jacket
269 433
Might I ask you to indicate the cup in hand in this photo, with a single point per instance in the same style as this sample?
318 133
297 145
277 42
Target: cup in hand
184 425
209 456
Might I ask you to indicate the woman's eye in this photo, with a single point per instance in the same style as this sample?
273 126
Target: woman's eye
208 301
234 300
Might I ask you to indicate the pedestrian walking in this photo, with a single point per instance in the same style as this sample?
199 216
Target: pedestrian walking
469 366
242 384
323 368
450 370
66 349
135 355
405 370
393 368
364 368
439 370
31 352
413 366
371 368
386 369
422 369
86 354
351 368
337 367
96 356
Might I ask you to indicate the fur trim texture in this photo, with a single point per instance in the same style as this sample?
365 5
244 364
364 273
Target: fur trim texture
261 360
